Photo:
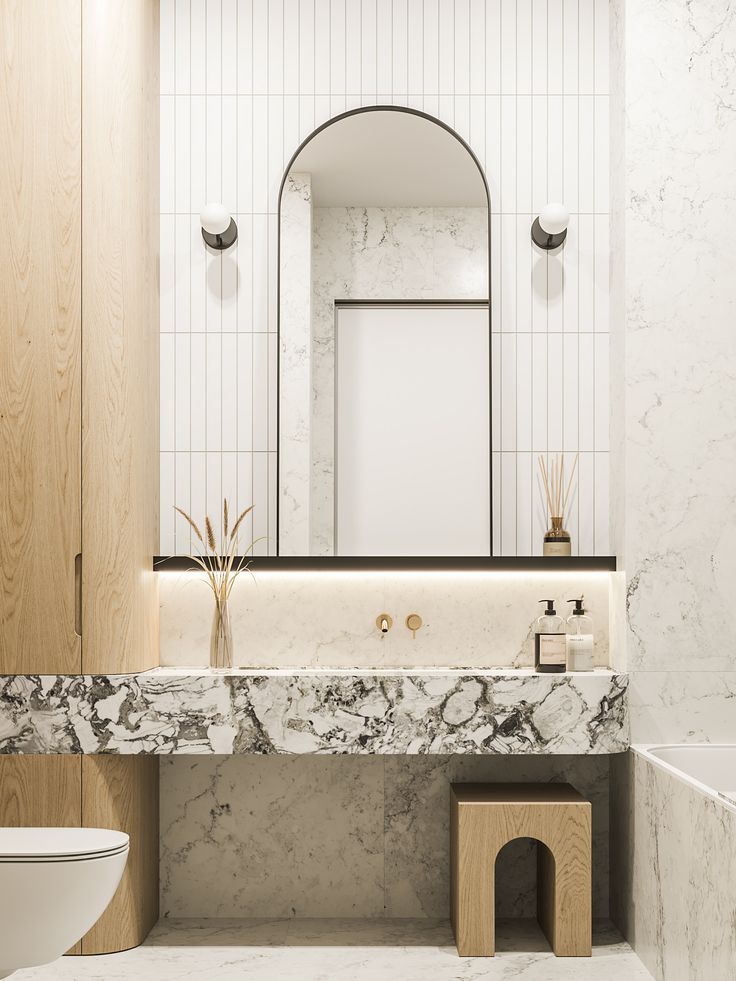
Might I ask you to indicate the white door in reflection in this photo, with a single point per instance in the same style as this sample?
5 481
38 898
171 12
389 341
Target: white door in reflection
412 417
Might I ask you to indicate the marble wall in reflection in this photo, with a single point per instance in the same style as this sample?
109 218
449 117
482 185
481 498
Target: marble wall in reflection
363 837
379 254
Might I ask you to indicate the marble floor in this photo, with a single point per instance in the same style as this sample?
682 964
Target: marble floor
349 950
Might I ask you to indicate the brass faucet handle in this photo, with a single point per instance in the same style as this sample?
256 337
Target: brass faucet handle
414 622
384 622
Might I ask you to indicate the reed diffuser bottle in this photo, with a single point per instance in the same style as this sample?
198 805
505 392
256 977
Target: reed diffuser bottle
556 538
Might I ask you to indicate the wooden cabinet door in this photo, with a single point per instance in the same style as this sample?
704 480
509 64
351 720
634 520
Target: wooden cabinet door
40 334
120 414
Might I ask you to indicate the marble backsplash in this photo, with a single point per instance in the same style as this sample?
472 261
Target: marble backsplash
294 619
343 836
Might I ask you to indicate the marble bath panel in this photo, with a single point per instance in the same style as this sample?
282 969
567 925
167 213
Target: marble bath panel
298 620
169 711
674 869
295 837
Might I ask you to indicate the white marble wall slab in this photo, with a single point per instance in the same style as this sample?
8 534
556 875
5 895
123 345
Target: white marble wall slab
295 619
674 856
683 706
675 358
365 838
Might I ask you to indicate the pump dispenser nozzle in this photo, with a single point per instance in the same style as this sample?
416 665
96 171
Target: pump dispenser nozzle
579 608
550 611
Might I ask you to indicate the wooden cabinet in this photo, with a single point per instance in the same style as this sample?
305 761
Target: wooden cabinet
78 335
40 334
79 340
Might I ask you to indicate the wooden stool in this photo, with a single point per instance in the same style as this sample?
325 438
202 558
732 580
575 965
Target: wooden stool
484 818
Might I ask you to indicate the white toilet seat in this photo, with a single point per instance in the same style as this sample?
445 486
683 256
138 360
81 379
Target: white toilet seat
59 844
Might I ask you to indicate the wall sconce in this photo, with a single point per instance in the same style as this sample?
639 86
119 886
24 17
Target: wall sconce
218 229
549 230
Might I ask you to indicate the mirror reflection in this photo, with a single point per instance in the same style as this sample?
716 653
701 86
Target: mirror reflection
384 323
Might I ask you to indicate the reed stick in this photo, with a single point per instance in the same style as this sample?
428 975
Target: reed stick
553 481
569 486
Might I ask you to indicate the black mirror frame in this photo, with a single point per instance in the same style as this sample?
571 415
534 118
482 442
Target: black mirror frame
389 561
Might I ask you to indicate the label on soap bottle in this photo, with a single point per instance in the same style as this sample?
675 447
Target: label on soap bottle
580 652
552 649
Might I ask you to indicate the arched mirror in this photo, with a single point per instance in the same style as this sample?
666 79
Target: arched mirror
384 347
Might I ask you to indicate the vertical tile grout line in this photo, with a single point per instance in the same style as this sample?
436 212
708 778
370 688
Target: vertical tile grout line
577 106
530 248
284 160
82 646
501 289
173 367
546 258
222 262
189 92
238 505
516 278
253 284
594 325
269 273
563 253
206 285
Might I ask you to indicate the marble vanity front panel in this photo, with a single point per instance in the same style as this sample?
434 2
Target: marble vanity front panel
167 711
308 836
299 620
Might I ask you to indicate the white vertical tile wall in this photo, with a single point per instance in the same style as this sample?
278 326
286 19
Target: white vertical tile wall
243 82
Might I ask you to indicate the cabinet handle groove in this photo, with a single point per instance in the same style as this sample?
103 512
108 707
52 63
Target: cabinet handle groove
78 594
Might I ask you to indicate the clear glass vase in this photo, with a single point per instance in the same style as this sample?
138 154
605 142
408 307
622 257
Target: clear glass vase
221 638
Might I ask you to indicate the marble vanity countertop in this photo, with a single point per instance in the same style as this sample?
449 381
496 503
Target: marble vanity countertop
312 710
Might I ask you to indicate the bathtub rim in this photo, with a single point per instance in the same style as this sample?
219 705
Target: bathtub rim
646 751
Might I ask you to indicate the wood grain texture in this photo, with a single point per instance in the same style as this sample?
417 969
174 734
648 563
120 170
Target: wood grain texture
121 793
41 792
484 818
40 330
120 362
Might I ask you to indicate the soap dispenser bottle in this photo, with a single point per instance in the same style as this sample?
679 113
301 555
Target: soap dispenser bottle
549 641
579 638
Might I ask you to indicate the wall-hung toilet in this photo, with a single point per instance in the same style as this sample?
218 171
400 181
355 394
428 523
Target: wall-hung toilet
55 883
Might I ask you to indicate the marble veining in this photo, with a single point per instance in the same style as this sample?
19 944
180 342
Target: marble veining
306 836
295 327
386 254
315 950
482 621
280 711
675 361
675 856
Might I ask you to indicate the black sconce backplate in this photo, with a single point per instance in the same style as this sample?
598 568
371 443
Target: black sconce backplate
224 241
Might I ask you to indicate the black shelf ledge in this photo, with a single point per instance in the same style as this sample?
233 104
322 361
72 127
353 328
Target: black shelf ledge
343 563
